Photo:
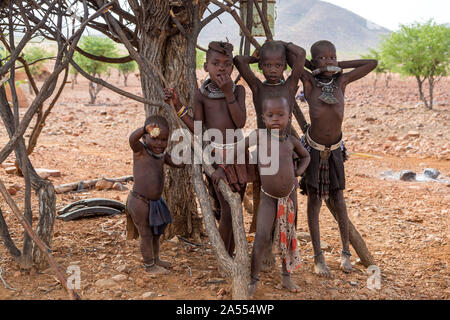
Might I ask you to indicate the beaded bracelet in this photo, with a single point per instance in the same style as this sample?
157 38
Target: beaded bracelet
185 110
182 109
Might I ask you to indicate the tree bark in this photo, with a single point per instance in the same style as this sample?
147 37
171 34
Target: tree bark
422 96
431 88
169 52
44 190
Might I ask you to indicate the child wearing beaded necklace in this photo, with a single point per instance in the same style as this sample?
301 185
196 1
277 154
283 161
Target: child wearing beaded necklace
324 90
219 104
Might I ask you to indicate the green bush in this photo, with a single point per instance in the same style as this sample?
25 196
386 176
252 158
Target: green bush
421 51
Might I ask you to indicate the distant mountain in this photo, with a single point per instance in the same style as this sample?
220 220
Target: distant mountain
305 22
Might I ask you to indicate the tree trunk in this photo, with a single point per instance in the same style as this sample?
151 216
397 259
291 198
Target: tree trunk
431 88
422 96
92 92
237 268
44 190
169 53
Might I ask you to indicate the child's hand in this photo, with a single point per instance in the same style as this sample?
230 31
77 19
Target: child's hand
225 83
171 94
217 175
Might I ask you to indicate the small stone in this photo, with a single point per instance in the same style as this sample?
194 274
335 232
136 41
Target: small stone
431 173
221 292
11 170
303 236
324 246
149 294
119 278
413 134
105 283
68 118
407 175
104 185
16 186
140 282
118 186
393 138
353 283
46 173
122 268
12 191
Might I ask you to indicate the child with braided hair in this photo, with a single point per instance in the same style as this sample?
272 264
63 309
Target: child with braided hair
219 104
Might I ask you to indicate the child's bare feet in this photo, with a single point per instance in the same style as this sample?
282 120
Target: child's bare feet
346 265
162 263
320 266
252 286
155 269
287 283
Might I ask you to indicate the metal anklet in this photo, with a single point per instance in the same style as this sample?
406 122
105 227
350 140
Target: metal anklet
347 253
149 265
253 279
318 254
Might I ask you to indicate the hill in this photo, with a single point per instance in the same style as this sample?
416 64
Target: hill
306 21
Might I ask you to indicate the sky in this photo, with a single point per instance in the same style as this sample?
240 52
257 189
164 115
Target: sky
390 13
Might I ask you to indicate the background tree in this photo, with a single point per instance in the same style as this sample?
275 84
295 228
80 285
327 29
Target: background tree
35 56
381 68
73 76
421 51
31 21
99 46
125 69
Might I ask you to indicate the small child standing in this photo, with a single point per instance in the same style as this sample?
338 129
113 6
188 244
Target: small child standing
147 212
277 211
274 56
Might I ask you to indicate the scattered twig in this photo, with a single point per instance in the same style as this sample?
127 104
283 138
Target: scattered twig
7 286
189 242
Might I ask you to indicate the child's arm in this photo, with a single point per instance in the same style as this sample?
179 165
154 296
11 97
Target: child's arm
171 94
362 68
303 155
134 139
236 106
242 63
307 79
220 171
295 57
168 160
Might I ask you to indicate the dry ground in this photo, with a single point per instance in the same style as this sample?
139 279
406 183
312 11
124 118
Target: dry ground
405 224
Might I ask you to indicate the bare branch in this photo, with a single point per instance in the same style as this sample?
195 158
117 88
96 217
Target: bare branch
239 22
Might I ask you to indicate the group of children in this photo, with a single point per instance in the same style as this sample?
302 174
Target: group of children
220 104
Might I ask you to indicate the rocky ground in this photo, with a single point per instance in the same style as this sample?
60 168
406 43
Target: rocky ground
405 224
